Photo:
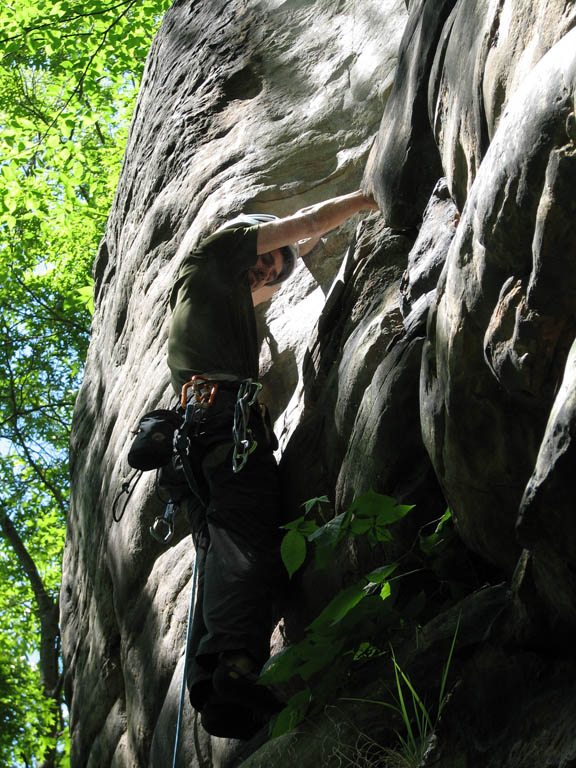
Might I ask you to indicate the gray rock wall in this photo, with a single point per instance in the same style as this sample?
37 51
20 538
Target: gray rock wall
423 352
503 322
268 106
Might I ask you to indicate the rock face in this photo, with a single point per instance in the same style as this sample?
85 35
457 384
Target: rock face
503 323
424 353
259 106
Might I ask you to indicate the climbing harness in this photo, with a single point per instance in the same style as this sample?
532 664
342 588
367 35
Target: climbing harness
204 391
163 433
184 674
244 442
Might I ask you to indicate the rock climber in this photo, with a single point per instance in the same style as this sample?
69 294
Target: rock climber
213 349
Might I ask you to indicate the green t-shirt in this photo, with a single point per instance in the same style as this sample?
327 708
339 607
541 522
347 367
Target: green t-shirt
213 326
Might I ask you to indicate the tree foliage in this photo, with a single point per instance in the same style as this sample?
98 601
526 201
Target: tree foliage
69 74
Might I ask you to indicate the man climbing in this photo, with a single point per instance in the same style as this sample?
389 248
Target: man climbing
213 350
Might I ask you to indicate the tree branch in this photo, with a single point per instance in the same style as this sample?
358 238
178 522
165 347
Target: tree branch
35 466
26 288
47 607
72 17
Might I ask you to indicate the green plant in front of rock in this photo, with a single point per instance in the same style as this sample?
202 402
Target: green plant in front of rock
370 516
338 637
419 721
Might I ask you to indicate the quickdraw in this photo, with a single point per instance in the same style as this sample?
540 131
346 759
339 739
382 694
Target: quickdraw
244 442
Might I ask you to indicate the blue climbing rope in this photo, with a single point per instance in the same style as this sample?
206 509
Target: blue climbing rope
183 686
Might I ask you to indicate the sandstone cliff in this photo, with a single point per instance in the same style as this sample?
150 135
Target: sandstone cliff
424 353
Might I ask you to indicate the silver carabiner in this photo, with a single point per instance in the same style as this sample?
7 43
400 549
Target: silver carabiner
162 529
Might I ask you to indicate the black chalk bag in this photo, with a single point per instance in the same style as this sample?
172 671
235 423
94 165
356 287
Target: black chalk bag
153 445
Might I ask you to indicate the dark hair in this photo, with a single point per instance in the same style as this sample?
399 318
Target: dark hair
289 255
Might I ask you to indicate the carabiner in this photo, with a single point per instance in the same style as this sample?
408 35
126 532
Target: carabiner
239 459
204 391
162 529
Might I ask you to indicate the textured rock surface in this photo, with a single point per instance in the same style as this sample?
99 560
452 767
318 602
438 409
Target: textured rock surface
262 104
546 520
423 353
504 317
404 164
467 94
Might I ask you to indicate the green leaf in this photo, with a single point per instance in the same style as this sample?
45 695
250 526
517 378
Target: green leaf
293 525
292 715
86 295
303 526
281 667
429 543
381 508
382 574
326 538
360 526
293 551
338 607
366 651
330 530
318 653
385 591
308 505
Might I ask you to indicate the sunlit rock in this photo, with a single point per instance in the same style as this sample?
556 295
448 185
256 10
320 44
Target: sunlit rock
418 352
263 106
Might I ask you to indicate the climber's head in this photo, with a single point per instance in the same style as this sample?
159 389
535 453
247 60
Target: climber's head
271 268
267 270
288 255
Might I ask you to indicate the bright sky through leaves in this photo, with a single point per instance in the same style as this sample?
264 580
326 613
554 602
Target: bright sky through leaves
69 75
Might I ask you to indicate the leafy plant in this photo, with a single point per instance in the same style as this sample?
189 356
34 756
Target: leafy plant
328 644
369 516
334 640
420 723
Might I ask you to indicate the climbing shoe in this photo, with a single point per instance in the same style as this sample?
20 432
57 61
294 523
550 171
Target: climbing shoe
239 687
229 720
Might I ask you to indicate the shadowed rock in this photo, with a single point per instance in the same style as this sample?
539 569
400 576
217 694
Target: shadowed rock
404 164
502 324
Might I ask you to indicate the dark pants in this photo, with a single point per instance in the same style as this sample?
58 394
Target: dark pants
237 541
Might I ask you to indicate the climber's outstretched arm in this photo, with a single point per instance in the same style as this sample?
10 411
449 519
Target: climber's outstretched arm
312 222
